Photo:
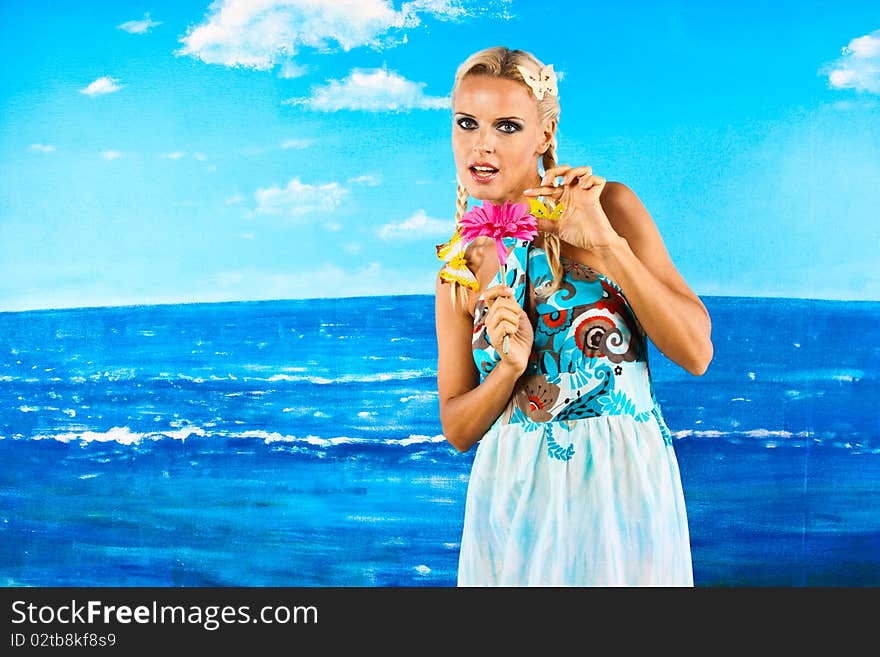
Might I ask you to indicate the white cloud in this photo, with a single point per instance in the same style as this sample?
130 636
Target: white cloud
260 33
101 86
179 155
376 90
369 179
442 9
139 27
864 46
298 199
417 226
291 69
232 200
111 155
246 236
296 143
41 148
858 67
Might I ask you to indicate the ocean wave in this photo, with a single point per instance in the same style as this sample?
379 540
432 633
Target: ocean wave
121 435
419 396
848 375
181 430
125 436
374 377
752 433
276 437
400 375
121 374
772 438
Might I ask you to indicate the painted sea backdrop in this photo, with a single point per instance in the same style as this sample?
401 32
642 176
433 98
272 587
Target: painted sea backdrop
297 443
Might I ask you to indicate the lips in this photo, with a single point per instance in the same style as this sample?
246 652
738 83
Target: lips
483 172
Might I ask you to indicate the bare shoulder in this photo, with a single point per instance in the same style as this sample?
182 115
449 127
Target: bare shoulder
631 220
624 209
481 257
483 263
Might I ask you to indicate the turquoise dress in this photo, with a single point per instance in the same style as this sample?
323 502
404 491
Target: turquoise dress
576 483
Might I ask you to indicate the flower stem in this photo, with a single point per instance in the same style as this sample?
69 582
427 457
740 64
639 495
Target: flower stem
506 340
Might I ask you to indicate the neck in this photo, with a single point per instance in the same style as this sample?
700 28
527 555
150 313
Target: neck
519 197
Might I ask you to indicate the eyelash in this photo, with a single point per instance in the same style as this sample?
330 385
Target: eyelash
462 121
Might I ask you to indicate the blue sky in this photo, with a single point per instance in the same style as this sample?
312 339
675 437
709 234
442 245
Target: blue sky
172 152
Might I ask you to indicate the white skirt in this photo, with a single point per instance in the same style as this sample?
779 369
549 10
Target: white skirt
590 502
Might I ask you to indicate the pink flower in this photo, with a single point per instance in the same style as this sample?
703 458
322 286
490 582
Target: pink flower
498 222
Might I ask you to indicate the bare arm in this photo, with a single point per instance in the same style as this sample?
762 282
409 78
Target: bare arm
468 408
672 315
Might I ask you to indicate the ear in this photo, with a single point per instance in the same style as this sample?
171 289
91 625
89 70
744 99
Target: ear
547 136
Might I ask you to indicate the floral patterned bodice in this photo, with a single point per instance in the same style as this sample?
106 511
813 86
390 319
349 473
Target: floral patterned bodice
590 354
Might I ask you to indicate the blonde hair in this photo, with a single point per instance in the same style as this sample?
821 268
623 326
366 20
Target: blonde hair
501 62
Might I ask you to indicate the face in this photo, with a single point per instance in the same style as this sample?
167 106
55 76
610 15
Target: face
497 137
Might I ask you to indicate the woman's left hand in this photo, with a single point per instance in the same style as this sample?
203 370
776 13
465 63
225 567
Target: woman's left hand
583 223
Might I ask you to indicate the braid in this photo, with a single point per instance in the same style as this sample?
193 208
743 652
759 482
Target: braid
460 203
458 292
551 240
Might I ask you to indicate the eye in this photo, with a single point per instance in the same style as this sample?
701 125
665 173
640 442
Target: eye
466 123
508 127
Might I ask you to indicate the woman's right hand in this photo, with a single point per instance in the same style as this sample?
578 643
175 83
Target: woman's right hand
506 317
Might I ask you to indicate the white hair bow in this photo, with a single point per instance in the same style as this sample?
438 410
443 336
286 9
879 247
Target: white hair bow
544 82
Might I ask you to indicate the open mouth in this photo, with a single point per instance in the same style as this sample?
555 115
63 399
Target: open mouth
483 172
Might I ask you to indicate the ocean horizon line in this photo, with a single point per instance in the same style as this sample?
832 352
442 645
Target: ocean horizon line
221 302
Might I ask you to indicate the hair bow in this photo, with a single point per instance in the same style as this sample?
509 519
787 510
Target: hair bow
544 82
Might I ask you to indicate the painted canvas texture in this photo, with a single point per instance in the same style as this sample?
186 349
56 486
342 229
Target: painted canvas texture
218 220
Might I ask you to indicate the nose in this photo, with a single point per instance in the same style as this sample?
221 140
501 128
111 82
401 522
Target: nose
485 142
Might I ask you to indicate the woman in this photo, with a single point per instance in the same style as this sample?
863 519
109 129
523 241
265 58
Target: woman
574 481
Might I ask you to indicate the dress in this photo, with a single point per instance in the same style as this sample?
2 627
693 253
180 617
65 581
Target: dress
576 483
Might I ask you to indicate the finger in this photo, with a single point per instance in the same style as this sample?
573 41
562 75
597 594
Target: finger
496 292
506 316
577 172
592 181
507 327
548 225
505 306
545 191
553 172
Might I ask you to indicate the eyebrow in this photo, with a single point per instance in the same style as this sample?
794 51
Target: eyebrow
500 118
